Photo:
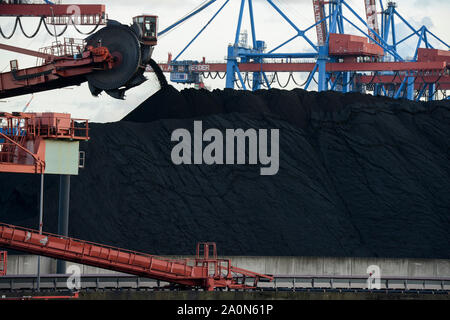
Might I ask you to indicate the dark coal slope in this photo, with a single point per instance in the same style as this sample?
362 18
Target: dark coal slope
295 106
359 176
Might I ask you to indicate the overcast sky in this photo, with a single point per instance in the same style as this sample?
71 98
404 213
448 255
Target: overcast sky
212 44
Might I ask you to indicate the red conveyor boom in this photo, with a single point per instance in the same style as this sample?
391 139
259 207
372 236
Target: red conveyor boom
207 271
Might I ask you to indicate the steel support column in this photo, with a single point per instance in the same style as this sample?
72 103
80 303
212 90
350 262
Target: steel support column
431 91
231 63
63 215
410 87
322 62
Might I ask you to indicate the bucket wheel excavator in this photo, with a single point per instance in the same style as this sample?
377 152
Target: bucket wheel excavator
131 49
112 60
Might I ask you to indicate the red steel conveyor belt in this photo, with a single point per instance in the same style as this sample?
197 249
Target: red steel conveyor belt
206 272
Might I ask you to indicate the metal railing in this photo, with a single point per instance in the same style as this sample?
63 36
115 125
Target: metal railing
294 283
69 47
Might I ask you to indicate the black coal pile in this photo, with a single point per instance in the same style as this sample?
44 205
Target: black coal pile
358 176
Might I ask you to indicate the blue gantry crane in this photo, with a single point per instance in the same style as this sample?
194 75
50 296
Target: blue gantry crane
369 59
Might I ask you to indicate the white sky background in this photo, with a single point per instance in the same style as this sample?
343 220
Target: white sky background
212 44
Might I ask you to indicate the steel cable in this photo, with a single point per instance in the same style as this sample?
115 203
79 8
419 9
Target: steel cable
84 33
35 32
18 22
303 84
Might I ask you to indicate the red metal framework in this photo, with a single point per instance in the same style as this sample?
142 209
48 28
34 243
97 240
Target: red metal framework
355 54
351 47
205 270
3 262
371 17
23 135
321 27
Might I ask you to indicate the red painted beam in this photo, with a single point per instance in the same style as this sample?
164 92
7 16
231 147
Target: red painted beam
45 10
442 81
195 272
61 72
386 66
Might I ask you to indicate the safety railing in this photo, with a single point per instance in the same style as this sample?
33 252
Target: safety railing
70 47
292 283
56 126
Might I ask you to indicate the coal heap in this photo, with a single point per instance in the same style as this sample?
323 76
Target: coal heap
359 176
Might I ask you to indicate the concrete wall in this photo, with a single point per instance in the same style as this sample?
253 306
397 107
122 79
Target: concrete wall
27 264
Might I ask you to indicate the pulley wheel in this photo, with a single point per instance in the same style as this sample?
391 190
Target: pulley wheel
123 44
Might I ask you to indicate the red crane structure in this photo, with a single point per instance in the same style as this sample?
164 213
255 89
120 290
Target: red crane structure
63 64
3 262
206 270
432 66
57 13
28 142
112 59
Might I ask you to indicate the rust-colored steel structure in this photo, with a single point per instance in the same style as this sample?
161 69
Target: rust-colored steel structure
432 65
206 270
321 27
58 14
23 136
3 262
63 64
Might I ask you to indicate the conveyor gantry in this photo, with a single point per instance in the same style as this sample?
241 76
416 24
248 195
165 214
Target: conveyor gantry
205 270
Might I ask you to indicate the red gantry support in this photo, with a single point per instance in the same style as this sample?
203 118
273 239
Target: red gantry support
205 271
23 138
63 64
58 14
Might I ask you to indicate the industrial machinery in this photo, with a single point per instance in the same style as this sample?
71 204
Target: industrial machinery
368 58
47 143
41 142
206 270
186 71
112 59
